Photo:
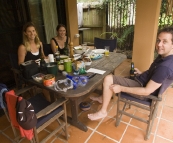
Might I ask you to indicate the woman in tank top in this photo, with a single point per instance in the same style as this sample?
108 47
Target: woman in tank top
60 40
31 48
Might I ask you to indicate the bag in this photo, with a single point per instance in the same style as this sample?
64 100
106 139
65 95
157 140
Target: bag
25 114
29 68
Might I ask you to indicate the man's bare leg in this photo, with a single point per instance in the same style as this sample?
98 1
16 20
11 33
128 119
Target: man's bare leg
98 99
107 94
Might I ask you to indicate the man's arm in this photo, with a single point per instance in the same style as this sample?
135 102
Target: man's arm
150 87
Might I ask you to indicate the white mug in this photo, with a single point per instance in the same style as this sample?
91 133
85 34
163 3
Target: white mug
51 58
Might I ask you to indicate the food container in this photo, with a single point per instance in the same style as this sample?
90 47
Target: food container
87 61
49 80
38 77
79 50
68 65
52 68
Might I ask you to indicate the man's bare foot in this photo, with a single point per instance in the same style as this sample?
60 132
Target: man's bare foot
98 99
97 115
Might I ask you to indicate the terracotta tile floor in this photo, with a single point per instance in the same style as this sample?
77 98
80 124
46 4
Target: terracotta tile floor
104 131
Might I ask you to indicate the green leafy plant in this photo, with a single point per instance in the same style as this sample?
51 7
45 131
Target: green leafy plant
120 38
166 17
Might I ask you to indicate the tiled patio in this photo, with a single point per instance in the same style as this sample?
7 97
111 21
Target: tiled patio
104 131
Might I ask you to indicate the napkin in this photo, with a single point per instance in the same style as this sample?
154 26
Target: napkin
93 70
76 56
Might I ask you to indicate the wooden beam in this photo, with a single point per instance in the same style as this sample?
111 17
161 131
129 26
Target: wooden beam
72 20
146 26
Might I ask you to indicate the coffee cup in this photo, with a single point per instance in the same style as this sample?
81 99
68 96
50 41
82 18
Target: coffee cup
51 58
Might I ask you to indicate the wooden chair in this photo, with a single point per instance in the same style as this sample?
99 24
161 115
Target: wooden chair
149 103
46 113
47 49
16 71
101 43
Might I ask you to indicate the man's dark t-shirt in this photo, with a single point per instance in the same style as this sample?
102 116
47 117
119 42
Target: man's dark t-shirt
160 71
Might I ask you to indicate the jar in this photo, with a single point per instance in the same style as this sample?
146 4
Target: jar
61 65
68 65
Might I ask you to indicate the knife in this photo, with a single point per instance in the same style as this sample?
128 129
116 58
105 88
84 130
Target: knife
91 76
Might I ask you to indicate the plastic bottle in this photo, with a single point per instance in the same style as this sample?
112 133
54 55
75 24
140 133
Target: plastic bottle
57 54
43 68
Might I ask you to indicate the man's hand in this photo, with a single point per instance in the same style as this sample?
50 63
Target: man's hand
137 71
115 88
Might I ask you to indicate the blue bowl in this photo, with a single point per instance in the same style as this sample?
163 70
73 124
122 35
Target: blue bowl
85 106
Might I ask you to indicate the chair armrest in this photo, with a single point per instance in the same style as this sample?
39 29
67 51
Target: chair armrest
154 97
23 90
141 97
51 107
16 70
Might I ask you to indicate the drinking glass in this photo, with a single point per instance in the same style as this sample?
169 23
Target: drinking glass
84 47
106 50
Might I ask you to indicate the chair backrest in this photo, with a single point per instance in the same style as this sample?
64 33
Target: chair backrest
101 43
14 60
11 100
47 49
16 70
164 86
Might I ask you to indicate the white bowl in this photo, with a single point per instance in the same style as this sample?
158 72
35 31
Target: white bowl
79 50
62 57
87 61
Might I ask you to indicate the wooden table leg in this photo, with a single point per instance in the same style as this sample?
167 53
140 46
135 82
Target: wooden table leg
74 119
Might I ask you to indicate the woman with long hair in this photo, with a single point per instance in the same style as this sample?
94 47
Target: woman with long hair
31 48
60 40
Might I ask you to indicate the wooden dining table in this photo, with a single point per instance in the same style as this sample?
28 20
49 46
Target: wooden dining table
76 96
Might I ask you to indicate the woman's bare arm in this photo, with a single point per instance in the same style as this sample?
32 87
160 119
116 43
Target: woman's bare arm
53 45
21 54
42 52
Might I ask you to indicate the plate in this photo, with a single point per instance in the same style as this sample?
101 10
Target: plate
63 57
99 51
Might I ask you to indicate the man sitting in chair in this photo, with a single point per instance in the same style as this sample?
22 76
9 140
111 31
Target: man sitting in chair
144 83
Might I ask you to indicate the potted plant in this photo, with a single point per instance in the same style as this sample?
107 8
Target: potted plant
120 38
